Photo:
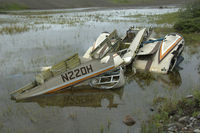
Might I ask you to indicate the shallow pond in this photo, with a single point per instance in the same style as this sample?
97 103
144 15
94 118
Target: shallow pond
55 36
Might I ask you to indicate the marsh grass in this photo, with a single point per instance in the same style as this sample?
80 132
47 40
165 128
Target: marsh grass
171 107
132 1
192 38
12 6
1 125
168 18
73 116
101 129
108 124
134 16
12 29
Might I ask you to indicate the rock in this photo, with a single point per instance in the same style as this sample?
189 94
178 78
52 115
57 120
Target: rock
129 121
170 125
189 96
183 119
192 118
171 129
198 116
190 125
179 125
196 131
152 109
188 131
174 126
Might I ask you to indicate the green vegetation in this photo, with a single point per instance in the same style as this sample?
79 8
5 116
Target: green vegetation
12 29
169 18
132 1
121 1
135 16
168 111
12 6
101 129
189 18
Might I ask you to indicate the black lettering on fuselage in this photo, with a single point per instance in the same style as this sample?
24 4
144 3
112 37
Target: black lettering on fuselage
71 73
64 77
89 69
83 71
76 73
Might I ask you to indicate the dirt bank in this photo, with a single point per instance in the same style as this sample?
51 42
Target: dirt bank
52 4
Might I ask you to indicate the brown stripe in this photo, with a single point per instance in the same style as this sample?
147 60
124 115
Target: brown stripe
149 63
155 48
77 81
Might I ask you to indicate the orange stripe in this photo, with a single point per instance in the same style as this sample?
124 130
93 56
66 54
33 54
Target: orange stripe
163 55
77 81
94 46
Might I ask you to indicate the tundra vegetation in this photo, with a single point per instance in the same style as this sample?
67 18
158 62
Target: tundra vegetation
170 111
12 6
189 18
181 115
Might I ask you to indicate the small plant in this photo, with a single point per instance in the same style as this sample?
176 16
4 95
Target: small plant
12 29
109 124
101 129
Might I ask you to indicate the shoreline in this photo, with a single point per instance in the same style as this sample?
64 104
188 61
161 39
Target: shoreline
86 9
22 7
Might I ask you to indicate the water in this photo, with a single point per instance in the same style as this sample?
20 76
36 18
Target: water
54 38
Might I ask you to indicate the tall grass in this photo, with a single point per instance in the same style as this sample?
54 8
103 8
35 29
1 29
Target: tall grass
12 6
189 21
12 29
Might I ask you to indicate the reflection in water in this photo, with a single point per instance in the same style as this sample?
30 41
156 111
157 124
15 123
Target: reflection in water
80 97
83 97
144 79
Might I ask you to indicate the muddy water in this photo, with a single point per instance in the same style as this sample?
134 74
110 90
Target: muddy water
85 110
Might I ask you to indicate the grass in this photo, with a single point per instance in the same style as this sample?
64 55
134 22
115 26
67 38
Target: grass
12 29
73 116
12 6
132 1
168 18
108 124
101 129
189 18
1 125
169 108
135 16
122 1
